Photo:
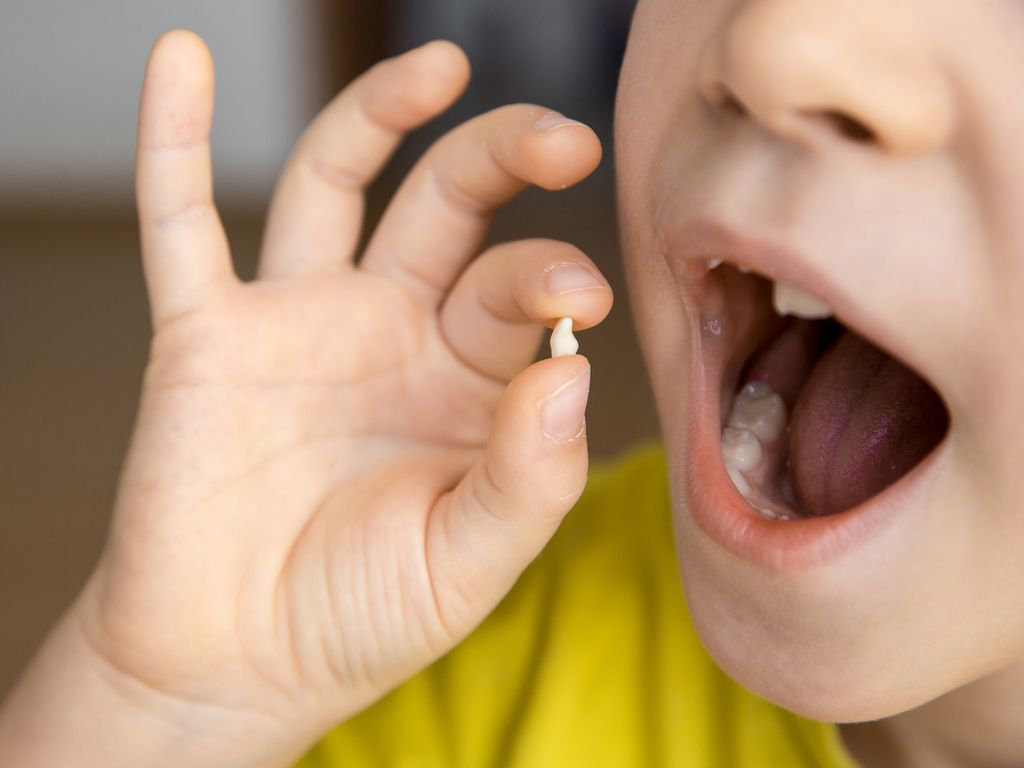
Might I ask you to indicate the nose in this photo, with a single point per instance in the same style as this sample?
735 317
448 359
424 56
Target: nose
828 70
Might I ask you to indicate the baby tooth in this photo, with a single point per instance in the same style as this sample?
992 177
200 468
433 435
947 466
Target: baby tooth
738 480
790 300
771 514
759 409
563 343
741 449
714 264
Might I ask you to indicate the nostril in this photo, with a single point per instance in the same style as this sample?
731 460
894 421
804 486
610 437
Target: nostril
724 100
849 127
730 103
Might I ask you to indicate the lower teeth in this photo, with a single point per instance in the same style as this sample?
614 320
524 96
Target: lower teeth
758 414
771 514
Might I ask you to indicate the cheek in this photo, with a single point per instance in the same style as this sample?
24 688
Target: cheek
644 110
658 79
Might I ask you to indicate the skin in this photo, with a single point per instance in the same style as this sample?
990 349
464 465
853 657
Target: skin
337 470
286 481
916 633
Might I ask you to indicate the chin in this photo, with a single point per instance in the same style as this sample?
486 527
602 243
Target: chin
822 668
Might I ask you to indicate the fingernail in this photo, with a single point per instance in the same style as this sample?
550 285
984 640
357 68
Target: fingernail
562 414
568 276
554 120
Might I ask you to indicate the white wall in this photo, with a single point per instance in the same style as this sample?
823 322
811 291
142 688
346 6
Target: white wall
70 72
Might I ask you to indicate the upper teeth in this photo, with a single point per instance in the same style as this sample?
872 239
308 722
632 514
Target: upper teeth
790 300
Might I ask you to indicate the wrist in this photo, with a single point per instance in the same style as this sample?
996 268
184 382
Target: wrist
73 706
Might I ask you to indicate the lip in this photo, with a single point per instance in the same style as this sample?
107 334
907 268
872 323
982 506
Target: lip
715 505
701 240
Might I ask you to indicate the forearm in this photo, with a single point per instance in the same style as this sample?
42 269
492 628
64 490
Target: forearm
72 708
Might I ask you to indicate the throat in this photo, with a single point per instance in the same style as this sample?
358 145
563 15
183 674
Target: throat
976 725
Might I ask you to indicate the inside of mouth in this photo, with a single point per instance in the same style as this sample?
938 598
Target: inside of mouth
816 419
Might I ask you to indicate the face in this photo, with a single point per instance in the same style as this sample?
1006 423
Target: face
842 399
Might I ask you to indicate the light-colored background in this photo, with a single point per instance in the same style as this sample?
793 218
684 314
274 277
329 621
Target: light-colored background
73 322
72 72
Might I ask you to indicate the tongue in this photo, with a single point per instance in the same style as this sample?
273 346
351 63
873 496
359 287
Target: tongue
862 421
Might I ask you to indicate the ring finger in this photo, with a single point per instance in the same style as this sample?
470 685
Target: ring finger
316 216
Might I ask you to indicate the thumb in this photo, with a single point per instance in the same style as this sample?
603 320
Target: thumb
483 534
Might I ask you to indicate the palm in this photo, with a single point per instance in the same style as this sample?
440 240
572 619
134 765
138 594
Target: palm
317 500
334 426
346 358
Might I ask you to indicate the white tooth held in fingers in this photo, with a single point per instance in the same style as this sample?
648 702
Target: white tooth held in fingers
761 410
741 449
790 300
563 343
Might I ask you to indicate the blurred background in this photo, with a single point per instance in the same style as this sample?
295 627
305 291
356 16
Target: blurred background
73 319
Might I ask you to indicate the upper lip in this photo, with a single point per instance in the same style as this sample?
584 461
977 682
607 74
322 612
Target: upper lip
701 240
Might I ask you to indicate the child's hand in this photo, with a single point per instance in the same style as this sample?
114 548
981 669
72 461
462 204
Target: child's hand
332 480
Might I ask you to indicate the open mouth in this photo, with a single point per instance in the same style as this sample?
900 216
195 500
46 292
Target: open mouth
815 418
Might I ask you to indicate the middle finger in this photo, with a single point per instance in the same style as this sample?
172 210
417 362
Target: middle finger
440 215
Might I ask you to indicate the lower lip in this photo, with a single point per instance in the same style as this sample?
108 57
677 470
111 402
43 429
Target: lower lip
781 546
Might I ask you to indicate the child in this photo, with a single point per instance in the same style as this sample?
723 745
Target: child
340 469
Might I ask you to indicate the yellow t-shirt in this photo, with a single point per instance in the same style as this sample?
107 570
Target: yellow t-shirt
591 660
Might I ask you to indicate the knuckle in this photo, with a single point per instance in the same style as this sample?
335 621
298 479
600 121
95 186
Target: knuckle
337 175
564 494
491 497
460 196
184 215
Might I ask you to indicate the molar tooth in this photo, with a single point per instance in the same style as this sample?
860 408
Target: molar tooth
563 343
790 300
771 514
761 410
738 480
741 449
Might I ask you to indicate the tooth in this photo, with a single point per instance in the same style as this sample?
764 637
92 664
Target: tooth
761 410
563 343
741 449
771 514
790 300
738 480
714 264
